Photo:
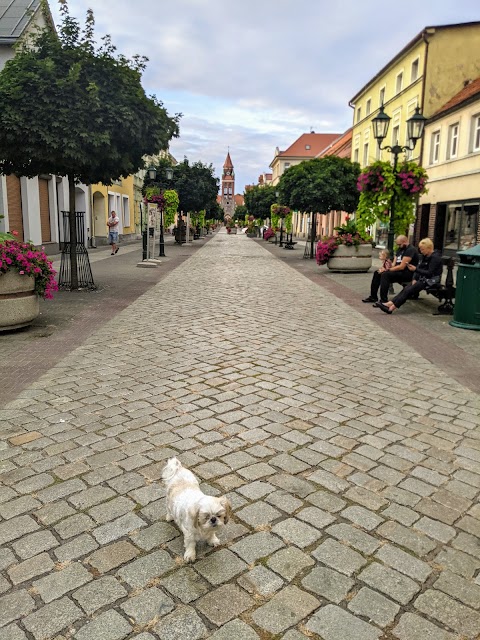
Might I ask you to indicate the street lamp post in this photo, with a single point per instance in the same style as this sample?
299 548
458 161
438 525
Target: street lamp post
415 127
277 194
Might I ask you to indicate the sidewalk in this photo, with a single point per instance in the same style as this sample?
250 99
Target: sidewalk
351 462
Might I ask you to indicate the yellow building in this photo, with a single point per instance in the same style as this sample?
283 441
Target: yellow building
427 73
118 197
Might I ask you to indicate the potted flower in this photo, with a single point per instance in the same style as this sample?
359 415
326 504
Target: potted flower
25 275
348 251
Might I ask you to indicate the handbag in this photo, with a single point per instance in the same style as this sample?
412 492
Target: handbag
433 281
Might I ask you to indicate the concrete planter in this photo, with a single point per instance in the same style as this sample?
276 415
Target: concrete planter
18 301
351 259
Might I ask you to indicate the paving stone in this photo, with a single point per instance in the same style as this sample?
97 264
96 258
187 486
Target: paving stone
296 532
112 556
339 557
289 562
293 484
327 501
416 542
16 528
333 623
412 627
76 548
220 566
120 527
34 544
107 626
328 584
354 537
374 606
260 580
185 584
457 616
111 510
362 517
285 609
257 514
224 604
99 593
316 517
404 562
12 632
61 582
394 584
284 501
139 572
46 622
154 536
458 562
30 568
91 497
329 481
149 604
257 545
6 559
74 525
459 588
401 514
256 471
51 513
183 623
14 606
436 530
61 490
256 490
235 630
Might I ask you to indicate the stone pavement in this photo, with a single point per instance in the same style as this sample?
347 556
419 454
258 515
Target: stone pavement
353 464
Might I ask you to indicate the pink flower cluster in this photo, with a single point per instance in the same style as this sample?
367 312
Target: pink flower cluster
371 181
411 183
29 262
158 199
326 249
269 233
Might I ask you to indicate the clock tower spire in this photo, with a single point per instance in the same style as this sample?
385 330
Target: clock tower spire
228 187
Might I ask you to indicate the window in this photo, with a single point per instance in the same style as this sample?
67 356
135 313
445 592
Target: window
307 147
452 141
359 114
395 134
476 133
382 96
287 164
399 84
355 155
126 211
461 227
225 191
435 147
414 72
368 107
365 154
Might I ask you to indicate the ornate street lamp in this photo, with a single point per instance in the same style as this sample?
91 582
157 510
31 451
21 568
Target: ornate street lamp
277 195
415 128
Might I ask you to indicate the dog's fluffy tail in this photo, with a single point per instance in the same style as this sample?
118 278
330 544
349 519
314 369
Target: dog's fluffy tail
171 468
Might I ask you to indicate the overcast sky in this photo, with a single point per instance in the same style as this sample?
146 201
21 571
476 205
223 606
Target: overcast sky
255 74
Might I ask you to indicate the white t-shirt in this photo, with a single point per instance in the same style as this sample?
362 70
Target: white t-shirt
114 227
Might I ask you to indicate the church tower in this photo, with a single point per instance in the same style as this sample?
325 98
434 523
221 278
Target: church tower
228 188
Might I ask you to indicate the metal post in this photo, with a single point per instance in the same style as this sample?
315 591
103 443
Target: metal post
313 235
161 253
391 227
143 229
281 232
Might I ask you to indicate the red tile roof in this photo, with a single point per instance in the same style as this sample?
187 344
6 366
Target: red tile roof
238 199
470 90
341 147
316 141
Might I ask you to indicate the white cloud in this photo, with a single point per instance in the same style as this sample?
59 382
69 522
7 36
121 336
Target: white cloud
254 75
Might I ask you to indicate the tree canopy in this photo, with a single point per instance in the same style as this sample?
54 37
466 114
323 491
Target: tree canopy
196 185
258 201
321 185
72 108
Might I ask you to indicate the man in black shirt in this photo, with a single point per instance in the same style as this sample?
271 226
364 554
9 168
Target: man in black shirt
399 272
428 273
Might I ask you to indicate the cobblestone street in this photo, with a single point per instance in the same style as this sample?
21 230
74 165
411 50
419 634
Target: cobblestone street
351 461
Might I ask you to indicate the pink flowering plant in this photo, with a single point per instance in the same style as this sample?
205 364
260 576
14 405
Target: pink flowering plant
28 261
379 183
347 234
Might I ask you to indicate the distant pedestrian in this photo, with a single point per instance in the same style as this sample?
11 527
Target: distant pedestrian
112 223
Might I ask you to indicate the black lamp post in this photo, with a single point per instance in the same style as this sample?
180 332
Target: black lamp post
152 175
277 194
415 127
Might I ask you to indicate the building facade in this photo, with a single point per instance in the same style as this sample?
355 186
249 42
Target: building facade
426 73
449 212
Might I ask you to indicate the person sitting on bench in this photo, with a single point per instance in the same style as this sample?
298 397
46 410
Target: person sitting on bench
427 274
384 278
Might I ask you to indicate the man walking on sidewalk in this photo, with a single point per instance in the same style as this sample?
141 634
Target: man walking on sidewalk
113 232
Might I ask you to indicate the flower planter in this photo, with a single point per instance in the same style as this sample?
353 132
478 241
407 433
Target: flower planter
18 301
351 259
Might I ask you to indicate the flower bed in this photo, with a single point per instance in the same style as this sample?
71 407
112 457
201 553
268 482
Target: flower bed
29 261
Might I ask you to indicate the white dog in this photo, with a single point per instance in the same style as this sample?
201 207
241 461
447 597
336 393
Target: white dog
197 515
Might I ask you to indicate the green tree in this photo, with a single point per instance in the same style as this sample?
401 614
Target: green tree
240 212
75 109
321 185
258 201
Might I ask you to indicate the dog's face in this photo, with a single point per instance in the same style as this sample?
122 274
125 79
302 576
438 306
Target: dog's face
211 513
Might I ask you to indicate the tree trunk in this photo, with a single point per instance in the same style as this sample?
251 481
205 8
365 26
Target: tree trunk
73 232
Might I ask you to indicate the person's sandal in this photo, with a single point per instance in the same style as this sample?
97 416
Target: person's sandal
384 308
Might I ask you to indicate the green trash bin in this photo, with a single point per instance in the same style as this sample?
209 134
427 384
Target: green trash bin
466 314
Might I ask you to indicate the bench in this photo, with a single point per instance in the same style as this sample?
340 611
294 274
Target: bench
289 244
443 292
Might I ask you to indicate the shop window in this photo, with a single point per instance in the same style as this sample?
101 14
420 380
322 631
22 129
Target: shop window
461 227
